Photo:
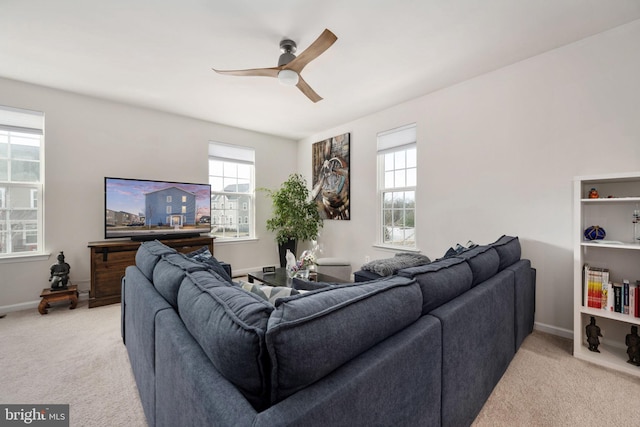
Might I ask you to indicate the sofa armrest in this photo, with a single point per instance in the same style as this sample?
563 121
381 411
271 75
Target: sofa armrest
401 376
189 389
141 303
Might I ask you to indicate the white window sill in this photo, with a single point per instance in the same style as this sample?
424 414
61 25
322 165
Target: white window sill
221 241
24 257
396 248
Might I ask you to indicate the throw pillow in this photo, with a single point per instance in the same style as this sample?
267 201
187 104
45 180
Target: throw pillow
204 256
459 249
201 254
268 293
390 266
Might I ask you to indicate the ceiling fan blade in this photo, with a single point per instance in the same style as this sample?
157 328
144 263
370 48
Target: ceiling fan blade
322 43
306 89
260 72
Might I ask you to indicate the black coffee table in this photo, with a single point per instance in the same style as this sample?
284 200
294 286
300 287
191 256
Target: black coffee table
281 278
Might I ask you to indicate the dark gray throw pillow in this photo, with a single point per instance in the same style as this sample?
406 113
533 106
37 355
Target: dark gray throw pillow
204 256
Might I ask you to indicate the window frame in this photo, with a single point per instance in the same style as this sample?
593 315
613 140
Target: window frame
223 208
20 235
392 142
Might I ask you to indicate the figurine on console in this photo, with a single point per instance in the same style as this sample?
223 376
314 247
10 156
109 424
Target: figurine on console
59 277
593 332
632 341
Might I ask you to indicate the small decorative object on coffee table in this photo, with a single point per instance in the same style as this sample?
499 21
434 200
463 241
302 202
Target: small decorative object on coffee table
632 341
593 334
300 268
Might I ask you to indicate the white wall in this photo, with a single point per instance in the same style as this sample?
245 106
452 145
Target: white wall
87 139
497 155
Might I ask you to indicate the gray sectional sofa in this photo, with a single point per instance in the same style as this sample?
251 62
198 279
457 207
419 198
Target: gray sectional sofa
424 347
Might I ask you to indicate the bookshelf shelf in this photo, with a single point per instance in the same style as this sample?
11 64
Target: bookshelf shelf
613 200
617 253
613 245
609 315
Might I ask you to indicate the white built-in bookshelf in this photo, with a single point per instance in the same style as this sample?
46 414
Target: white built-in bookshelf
619 253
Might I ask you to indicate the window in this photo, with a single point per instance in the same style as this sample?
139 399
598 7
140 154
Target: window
21 181
397 184
231 175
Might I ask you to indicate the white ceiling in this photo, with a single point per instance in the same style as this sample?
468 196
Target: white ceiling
159 53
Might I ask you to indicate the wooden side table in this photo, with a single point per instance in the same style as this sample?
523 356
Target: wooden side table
48 296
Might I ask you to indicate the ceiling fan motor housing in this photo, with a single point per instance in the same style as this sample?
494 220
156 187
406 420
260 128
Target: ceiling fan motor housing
288 48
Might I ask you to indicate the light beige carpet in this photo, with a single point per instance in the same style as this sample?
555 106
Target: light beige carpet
77 357
73 357
546 386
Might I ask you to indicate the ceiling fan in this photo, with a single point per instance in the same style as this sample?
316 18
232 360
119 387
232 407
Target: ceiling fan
289 66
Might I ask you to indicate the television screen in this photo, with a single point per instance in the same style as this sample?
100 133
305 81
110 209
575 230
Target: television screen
144 209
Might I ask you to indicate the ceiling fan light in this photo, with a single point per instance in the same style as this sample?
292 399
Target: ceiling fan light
288 77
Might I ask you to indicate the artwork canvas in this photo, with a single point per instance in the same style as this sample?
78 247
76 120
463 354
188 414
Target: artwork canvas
330 186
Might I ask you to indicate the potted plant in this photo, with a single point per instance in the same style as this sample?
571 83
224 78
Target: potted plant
295 217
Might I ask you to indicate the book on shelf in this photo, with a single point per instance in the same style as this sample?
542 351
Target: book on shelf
617 298
597 288
610 298
625 296
605 296
637 299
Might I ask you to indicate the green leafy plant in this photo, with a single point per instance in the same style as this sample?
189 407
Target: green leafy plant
295 216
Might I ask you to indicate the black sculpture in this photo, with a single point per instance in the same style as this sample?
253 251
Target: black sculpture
593 332
633 346
59 277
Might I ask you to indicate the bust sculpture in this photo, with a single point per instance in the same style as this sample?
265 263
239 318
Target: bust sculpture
59 276
632 341
593 332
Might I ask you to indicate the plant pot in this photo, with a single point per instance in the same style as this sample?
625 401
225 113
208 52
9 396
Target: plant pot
290 244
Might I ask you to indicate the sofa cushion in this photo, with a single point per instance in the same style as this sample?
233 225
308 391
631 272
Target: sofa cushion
484 262
169 273
229 323
149 254
509 251
310 335
440 281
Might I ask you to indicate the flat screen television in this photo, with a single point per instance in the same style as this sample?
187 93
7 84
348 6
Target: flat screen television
144 210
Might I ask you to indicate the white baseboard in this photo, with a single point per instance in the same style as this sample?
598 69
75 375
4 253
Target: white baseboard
553 330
